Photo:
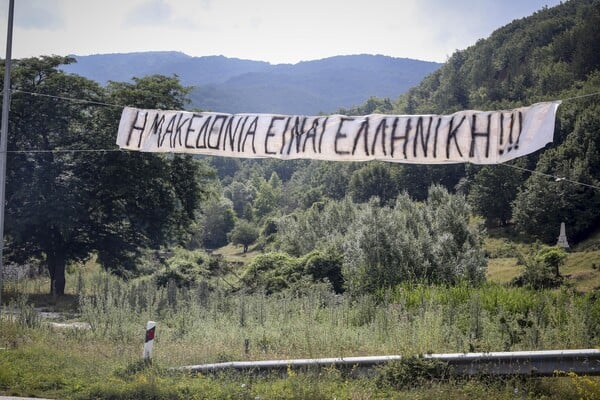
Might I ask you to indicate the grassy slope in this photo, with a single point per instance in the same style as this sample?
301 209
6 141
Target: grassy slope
582 266
235 254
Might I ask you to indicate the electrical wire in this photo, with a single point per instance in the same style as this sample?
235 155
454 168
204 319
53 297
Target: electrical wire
99 103
65 151
122 106
582 96
555 177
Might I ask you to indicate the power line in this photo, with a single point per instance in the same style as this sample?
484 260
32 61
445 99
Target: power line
555 177
115 150
582 96
68 98
64 151
122 106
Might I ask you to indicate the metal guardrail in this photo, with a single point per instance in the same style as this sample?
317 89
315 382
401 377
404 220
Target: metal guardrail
530 363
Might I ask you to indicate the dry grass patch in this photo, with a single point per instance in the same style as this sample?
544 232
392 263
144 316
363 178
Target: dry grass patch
583 269
502 270
235 254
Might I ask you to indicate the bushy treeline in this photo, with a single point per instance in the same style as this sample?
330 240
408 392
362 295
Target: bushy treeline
308 205
381 246
353 247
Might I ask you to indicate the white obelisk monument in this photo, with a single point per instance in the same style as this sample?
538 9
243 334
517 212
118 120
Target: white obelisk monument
562 237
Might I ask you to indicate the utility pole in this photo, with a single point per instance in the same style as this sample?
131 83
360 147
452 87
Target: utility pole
4 137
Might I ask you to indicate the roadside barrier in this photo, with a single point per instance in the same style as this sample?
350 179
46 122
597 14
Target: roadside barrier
530 363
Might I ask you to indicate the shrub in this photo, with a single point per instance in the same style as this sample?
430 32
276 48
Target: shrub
320 266
542 269
185 268
412 372
433 242
272 272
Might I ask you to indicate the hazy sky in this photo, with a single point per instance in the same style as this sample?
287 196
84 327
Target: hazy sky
278 31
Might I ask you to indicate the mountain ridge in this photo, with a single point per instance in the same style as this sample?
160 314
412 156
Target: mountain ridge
236 85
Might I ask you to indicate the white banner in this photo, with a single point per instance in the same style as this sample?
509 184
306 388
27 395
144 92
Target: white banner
479 137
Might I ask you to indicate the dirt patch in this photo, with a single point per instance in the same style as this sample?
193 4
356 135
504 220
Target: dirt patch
70 325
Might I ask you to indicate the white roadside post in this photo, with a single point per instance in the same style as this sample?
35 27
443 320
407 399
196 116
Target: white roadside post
150 333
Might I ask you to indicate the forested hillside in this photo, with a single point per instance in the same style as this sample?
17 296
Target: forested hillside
553 54
313 206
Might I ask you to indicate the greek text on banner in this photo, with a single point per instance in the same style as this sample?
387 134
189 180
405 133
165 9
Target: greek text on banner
479 137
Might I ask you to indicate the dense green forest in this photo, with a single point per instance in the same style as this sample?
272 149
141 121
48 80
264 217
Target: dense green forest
353 210
363 227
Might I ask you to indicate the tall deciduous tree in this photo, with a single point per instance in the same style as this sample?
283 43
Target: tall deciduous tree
142 199
47 210
241 196
493 190
244 233
218 219
374 180
66 195
269 196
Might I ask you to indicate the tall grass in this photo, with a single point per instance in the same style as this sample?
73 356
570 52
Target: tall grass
199 325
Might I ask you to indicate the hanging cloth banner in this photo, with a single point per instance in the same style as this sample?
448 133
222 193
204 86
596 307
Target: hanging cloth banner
479 137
